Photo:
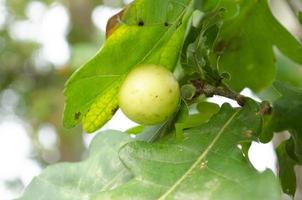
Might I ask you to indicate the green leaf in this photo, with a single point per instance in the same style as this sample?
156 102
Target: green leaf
287 112
207 164
267 132
300 17
101 171
288 71
188 91
286 115
230 6
80 181
286 170
150 32
245 46
185 120
135 130
195 57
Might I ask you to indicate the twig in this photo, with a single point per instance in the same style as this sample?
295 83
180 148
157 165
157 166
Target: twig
265 108
210 90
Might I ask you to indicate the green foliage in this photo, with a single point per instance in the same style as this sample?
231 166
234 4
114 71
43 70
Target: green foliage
286 115
195 57
245 46
151 37
185 120
288 71
286 170
101 171
300 17
207 163
287 112
216 48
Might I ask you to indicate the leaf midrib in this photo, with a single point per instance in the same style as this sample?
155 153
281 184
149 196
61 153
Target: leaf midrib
200 158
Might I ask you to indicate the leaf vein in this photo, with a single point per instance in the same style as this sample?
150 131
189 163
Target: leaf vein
199 160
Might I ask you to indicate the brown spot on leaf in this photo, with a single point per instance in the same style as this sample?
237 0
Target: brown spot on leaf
141 23
203 164
114 110
77 115
114 22
265 108
179 24
166 24
248 134
220 47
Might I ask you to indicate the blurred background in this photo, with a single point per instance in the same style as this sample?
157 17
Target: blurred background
41 44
